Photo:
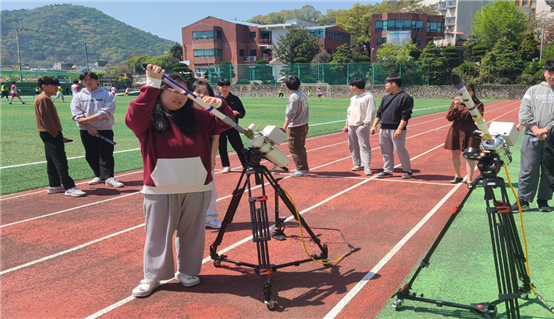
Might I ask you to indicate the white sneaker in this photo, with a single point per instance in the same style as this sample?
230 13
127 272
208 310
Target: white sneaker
74 192
357 168
300 173
112 182
145 288
368 172
95 181
214 223
55 190
188 280
226 170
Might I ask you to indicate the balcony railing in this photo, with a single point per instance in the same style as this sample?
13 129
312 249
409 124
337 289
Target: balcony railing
450 21
265 42
451 4
441 6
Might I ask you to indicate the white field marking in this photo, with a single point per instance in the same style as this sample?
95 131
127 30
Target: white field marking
41 191
247 239
34 262
69 209
70 158
138 149
360 285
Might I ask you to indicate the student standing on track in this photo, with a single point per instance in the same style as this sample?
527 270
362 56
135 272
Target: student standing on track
536 114
393 114
176 153
460 135
297 116
93 109
359 116
201 89
224 87
50 128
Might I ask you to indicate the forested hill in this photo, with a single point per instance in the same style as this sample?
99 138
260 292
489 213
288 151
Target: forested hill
57 33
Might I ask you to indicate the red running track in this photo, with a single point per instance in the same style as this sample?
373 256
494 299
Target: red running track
81 257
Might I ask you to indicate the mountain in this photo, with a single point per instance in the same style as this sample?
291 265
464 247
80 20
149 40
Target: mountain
57 33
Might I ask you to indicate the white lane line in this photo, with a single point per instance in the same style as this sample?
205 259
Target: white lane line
69 209
360 285
69 158
41 191
34 262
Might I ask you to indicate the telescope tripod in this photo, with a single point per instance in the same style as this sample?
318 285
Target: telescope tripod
260 226
509 258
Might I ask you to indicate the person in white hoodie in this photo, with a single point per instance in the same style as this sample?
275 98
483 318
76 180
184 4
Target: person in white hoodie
359 116
93 108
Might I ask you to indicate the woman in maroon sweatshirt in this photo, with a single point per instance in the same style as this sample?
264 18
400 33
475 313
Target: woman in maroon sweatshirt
175 146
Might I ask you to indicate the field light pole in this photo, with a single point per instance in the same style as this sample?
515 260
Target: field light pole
86 57
19 51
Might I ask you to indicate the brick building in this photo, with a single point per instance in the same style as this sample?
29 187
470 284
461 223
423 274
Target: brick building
400 27
210 41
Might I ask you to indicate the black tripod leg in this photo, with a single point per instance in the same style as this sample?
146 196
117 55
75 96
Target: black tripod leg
229 215
281 193
404 291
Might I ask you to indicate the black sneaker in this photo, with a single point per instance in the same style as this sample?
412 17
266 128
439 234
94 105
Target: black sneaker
543 205
383 175
524 206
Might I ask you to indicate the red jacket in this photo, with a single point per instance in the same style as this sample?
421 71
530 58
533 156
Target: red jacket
174 163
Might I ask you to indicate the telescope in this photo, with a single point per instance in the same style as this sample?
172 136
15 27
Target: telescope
495 141
264 142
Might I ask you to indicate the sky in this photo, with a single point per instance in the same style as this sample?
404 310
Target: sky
166 18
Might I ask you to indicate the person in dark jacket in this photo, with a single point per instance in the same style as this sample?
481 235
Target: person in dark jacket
393 114
224 87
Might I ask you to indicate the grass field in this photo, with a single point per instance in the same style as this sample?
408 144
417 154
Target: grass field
22 162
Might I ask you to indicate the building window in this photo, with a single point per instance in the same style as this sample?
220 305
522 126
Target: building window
207 53
253 53
381 41
336 35
213 34
378 26
252 35
318 33
435 27
329 51
241 52
416 41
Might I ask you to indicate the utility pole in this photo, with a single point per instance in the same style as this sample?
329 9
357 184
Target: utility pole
542 39
19 51
86 57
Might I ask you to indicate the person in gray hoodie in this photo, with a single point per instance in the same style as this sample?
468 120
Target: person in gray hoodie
93 108
536 114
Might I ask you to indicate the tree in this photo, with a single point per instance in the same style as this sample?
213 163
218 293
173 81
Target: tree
164 61
396 53
343 55
499 19
227 70
307 12
528 47
322 57
451 55
329 18
503 62
176 52
298 42
435 64
264 72
478 52
357 22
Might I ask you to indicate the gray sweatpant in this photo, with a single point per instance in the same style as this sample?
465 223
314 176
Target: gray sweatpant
169 213
388 145
358 145
530 172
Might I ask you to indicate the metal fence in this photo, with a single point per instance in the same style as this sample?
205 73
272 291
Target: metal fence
323 73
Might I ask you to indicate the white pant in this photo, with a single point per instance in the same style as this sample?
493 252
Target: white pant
211 213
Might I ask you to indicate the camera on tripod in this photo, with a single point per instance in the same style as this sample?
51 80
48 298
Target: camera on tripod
263 145
494 153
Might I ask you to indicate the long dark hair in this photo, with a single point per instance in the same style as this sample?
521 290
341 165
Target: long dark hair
471 86
184 117
207 84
